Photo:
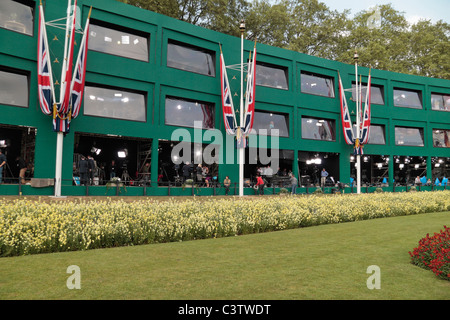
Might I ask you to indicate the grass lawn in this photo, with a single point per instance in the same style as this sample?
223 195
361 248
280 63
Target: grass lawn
322 262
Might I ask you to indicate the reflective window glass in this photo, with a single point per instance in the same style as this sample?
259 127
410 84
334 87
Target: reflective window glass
376 135
317 84
318 129
441 138
405 136
13 88
407 98
270 121
376 93
114 103
183 112
119 42
17 16
440 102
194 59
271 76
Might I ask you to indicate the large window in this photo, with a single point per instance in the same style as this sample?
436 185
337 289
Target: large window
405 136
441 138
318 129
317 84
440 102
17 16
114 103
118 41
13 88
376 93
194 59
271 76
270 121
407 98
183 112
376 135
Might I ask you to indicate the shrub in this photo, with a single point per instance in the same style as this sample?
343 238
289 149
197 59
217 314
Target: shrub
318 191
378 190
433 253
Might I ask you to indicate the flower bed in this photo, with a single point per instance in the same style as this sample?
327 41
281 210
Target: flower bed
28 227
433 253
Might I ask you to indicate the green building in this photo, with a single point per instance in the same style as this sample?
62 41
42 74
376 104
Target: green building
149 77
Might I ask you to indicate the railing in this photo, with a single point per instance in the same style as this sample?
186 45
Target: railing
177 188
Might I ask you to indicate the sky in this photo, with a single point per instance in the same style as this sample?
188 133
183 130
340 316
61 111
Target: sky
414 10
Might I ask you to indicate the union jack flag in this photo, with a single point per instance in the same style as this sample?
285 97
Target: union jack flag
79 76
346 120
45 81
229 117
250 96
64 104
365 123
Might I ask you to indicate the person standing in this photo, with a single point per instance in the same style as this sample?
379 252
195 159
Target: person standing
83 167
91 168
112 170
323 177
260 184
2 164
294 183
22 165
226 184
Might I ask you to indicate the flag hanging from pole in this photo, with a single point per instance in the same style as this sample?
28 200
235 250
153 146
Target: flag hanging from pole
365 127
45 81
77 86
229 117
346 121
250 96
64 101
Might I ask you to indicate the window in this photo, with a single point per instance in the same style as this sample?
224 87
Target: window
118 41
317 84
376 93
194 59
405 136
318 129
114 103
440 102
376 135
13 88
441 138
183 112
269 120
407 98
271 76
17 16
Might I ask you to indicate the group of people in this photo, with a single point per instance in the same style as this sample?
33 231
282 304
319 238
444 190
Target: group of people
199 174
20 163
87 168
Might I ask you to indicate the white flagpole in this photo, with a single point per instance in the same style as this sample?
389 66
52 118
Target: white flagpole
241 112
358 156
60 135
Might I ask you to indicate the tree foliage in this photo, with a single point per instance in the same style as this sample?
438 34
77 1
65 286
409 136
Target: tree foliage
382 36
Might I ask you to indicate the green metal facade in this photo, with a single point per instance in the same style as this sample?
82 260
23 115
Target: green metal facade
158 80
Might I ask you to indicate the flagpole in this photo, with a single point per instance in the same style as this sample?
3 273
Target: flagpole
59 134
241 112
358 156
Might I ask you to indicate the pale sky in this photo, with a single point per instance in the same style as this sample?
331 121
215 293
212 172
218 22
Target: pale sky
414 10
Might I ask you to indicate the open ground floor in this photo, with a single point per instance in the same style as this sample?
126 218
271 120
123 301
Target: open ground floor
106 164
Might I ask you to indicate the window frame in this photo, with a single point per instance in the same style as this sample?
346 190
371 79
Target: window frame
421 131
30 4
185 45
318 119
286 117
273 66
212 105
118 28
318 75
20 72
107 87
419 95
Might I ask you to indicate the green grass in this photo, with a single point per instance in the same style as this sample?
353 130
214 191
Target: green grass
322 262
